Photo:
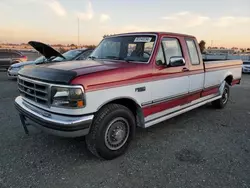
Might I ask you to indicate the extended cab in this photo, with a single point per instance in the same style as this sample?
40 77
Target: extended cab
132 79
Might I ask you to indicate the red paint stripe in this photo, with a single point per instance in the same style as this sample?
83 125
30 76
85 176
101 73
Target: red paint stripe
155 108
209 69
164 106
155 77
135 77
194 96
210 91
235 82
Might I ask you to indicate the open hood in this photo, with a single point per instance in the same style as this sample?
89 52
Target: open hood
44 49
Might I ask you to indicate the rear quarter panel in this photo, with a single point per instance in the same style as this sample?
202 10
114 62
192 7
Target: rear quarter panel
217 71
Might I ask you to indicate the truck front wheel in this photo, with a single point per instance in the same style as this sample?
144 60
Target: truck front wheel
111 132
221 103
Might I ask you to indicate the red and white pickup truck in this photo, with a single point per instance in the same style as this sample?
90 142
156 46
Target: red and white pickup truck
132 79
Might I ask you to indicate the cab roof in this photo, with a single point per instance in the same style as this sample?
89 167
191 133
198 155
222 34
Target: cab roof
153 33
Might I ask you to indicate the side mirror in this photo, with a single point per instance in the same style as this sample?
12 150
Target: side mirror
176 61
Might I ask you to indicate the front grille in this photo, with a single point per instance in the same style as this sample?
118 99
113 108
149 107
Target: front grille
34 91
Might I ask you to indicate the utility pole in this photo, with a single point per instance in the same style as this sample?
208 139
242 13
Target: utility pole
78 31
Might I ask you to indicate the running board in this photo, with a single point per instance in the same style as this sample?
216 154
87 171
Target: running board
168 116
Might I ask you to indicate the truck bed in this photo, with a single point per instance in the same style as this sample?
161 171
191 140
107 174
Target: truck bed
222 63
217 71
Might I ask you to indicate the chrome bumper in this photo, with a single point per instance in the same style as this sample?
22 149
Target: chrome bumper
56 124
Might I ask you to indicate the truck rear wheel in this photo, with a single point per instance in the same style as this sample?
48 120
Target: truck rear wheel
221 103
111 132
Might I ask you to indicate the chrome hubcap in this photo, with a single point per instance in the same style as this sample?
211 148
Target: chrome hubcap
117 133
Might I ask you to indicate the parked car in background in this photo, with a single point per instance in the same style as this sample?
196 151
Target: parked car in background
13 69
105 97
10 57
246 67
49 55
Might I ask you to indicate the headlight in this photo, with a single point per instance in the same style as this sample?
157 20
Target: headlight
67 97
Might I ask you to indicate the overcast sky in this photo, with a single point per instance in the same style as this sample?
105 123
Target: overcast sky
226 22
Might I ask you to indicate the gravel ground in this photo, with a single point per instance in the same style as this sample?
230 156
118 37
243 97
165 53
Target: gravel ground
202 148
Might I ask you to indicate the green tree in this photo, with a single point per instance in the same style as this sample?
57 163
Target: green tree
202 46
62 50
242 50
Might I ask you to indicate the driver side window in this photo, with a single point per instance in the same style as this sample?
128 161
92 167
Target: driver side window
171 48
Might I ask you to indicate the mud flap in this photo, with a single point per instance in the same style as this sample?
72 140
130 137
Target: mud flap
22 118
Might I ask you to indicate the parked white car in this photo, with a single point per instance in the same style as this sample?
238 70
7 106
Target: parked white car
246 67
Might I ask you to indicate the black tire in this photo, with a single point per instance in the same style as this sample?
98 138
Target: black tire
97 139
222 102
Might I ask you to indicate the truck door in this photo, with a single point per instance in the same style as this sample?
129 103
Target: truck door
196 69
171 83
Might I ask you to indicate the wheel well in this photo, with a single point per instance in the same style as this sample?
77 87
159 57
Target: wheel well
134 107
229 79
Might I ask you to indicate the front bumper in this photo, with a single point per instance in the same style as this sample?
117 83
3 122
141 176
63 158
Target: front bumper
56 124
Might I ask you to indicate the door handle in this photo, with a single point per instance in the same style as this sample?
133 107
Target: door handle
185 69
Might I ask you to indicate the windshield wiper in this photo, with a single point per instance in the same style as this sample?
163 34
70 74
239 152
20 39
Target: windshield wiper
128 60
113 57
118 58
92 57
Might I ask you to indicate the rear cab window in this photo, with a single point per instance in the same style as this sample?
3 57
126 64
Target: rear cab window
193 52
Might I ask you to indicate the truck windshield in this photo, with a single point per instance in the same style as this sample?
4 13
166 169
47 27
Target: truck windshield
128 48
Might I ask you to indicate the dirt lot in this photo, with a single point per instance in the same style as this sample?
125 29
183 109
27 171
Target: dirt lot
202 148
